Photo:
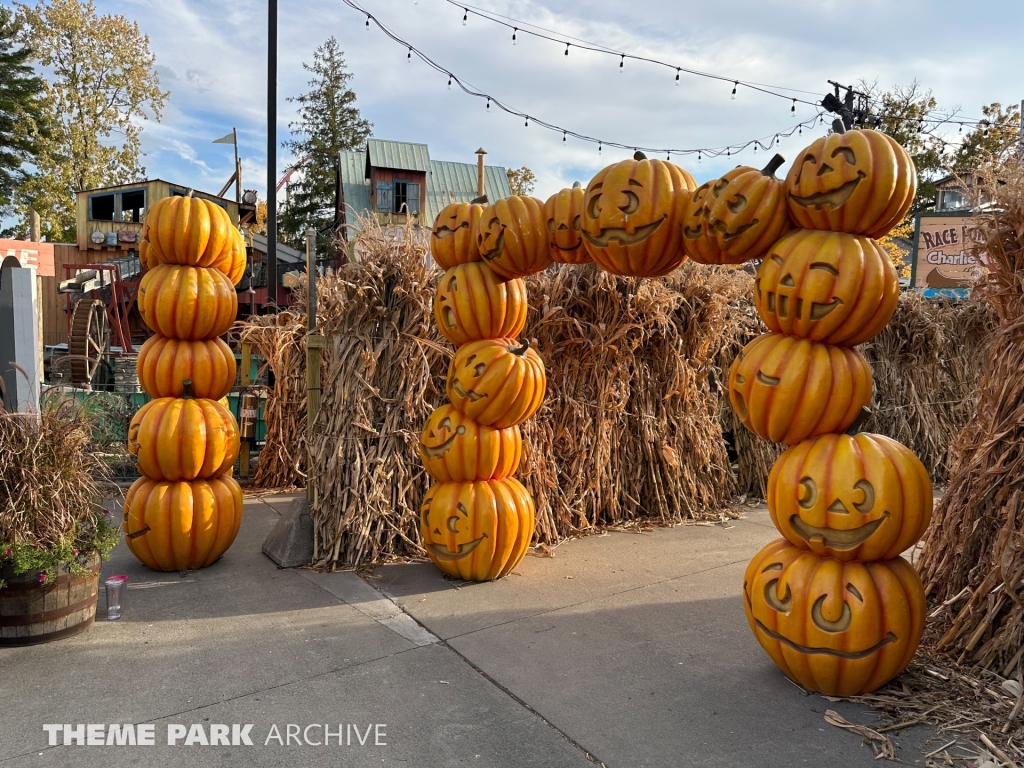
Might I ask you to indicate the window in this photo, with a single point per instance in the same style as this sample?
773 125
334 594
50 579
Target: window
401 196
952 199
101 207
128 205
407 198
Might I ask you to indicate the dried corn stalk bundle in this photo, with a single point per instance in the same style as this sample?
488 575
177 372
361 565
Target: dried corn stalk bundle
281 340
974 551
926 363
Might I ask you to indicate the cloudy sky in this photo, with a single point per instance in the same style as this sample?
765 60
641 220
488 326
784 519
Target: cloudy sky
212 58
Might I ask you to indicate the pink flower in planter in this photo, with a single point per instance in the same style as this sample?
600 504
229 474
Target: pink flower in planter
74 551
7 553
42 578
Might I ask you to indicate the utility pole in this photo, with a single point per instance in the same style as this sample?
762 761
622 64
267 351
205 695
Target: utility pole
272 152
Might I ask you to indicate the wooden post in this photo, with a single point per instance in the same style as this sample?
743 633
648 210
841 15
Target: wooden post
314 343
35 235
245 381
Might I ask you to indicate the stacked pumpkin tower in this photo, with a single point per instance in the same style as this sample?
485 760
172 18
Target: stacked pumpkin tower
833 603
185 511
477 521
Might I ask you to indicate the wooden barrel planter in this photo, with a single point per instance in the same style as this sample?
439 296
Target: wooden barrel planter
32 612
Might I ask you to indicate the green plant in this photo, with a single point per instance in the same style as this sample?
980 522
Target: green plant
50 489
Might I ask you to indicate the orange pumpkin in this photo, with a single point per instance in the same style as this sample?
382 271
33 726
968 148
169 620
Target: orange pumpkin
187 230
477 531
632 217
453 237
858 181
736 218
837 628
164 363
183 439
864 497
563 212
787 390
456 448
233 261
827 286
496 382
512 237
187 302
472 302
181 526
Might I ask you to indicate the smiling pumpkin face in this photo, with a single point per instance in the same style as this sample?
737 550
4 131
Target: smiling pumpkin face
455 448
787 390
861 497
826 286
477 531
453 237
512 237
736 218
632 216
496 382
472 302
860 181
837 628
563 213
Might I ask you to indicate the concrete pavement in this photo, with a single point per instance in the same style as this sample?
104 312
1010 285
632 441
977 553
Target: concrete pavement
625 649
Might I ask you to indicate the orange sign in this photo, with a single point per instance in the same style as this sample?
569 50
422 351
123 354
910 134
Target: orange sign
36 255
941 260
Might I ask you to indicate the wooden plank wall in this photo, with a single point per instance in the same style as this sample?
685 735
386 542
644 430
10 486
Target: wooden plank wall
54 315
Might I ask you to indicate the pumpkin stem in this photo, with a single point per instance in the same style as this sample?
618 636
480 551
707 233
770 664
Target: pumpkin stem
838 126
520 351
186 389
190 193
864 415
638 155
773 165
482 200
576 185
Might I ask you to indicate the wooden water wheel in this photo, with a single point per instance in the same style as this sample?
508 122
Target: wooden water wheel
88 340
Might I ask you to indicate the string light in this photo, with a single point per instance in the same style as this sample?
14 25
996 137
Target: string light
566 49
622 63
698 157
367 22
526 123
449 82
514 36
488 105
465 16
961 128
563 136
792 109
599 147
408 57
677 77
735 85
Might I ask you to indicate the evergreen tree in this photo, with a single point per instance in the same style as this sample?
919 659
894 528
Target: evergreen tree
22 123
328 122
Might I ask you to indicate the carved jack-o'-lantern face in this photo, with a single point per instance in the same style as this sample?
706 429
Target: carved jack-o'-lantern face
496 382
736 218
862 497
512 237
632 212
787 390
453 237
826 286
472 302
477 530
456 448
562 214
837 628
859 181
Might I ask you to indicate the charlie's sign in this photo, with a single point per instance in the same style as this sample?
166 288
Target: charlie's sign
940 259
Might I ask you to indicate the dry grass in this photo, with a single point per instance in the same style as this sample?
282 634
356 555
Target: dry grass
50 479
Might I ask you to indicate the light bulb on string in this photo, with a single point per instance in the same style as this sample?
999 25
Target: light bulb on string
563 136
488 105
735 85
622 63
728 151
367 22
514 31
961 128
776 142
698 156
677 76
449 82
599 147
465 16
526 123
792 109
566 49
408 56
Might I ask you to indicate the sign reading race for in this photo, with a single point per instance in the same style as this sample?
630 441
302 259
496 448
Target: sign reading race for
940 257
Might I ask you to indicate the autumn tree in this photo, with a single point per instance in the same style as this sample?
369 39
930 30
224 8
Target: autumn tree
328 123
22 121
521 180
101 87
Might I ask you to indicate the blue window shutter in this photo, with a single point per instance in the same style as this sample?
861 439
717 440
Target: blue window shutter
385 198
413 198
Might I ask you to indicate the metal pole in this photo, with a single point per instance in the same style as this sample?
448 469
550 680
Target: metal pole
311 278
272 152
314 343
238 169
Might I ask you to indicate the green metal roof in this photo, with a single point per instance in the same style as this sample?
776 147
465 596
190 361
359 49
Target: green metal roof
447 182
450 182
399 155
